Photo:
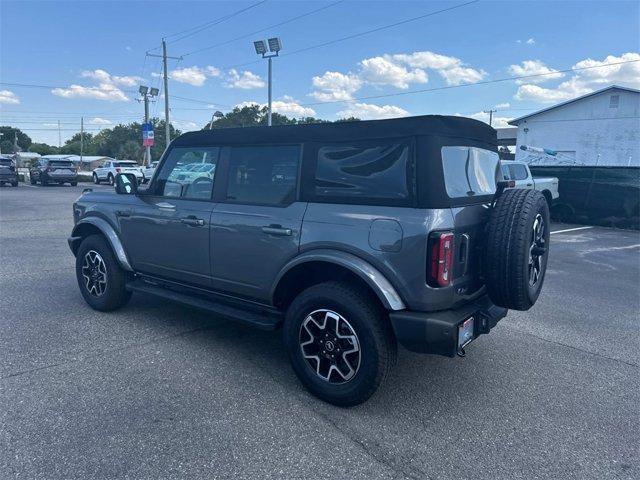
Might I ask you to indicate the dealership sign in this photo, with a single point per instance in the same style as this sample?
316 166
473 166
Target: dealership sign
147 135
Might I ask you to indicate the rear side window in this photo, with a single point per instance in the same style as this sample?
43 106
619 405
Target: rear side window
263 175
518 172
368 172
469 171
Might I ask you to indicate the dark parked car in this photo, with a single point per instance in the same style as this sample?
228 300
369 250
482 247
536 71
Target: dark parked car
47 171
8 173
353 237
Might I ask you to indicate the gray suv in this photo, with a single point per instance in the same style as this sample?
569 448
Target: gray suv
351 237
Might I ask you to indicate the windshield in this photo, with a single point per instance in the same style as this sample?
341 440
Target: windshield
469 171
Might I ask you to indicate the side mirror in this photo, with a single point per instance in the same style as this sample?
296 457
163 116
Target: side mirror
126 183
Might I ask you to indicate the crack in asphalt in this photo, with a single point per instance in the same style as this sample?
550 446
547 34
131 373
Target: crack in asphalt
555 342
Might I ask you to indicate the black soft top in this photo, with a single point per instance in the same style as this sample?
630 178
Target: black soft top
431 125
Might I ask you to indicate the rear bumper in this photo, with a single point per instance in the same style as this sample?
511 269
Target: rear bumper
61 178
8 177
437 332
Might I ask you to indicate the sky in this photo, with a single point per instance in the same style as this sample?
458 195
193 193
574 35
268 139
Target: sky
87 58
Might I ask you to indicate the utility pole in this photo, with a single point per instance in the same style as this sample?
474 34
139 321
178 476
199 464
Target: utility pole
147 149
269 113
490 112
81 140
164 56
59 135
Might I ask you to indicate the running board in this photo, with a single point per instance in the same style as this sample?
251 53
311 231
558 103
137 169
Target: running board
264 321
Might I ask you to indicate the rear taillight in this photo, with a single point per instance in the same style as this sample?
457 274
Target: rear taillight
440 269
117 170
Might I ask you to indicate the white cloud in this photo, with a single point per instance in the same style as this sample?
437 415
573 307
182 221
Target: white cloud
496 122
186 126
127 48
99 121
245 80
108 87
367 111
399 70
586 81
335 86
287 106
531 41
102 92
451 69
195 76
534 67
384 71
7 96
503 105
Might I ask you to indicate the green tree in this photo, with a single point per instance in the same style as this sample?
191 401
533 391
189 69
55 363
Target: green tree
8 135
254 115
43 149
72 145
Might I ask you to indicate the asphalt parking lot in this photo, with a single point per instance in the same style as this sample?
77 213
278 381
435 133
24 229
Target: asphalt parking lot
157 390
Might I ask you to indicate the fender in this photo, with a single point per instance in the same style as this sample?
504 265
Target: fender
109 232
372 276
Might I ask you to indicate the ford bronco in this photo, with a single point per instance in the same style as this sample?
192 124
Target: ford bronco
352 237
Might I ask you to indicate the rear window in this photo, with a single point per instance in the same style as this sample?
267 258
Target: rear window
60 163
125 164
264 175
469 171
367 172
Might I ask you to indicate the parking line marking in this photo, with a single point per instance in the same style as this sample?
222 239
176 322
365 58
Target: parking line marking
571 230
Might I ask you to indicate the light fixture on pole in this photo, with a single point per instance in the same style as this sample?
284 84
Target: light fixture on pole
274 46
147 138
216 114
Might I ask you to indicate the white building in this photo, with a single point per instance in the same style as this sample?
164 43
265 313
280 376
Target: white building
601 128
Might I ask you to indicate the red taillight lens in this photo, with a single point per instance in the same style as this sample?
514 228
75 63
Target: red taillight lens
117 170
441 260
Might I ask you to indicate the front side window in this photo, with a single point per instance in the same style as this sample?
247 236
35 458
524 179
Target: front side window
263 175
368 172
469 171
188 173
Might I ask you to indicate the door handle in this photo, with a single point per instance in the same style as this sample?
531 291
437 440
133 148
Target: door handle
165 205
193 221
277 230
529 184
123 213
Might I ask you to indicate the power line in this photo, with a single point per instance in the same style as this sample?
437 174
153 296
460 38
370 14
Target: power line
450 87
360 34
199 28
241 37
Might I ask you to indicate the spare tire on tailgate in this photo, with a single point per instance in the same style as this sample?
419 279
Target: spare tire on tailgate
517 248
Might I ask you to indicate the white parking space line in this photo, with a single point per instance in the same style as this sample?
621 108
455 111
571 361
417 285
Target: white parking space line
571 230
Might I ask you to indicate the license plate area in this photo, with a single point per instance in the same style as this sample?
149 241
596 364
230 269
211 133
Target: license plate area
465 332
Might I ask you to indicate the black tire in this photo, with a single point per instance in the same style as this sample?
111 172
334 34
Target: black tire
110 179
74 184
14 184
374 337
517 249
43 181
32 180
112 294
96 180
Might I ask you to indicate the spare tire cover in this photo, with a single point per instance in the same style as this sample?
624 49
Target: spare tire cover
516 248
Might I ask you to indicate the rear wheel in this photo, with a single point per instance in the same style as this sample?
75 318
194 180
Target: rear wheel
517 249
14 183
32 180
43 181
74 184
340 342
101 279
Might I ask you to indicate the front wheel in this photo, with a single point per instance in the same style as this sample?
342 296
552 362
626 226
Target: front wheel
74 184
14 184
110 179
96 180
340 342
101 280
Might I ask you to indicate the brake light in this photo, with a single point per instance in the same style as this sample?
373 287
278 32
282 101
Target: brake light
441 260
117 170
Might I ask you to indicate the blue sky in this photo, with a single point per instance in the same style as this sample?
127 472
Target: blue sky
94 53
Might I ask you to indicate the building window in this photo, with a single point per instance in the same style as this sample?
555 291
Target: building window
614 101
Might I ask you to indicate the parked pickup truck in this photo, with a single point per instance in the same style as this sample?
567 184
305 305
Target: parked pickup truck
519 172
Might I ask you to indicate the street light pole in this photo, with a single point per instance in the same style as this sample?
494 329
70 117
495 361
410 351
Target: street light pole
167 129
275 45
269 111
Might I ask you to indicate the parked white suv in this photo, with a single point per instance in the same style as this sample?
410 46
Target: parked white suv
519 172
147 171
109 169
